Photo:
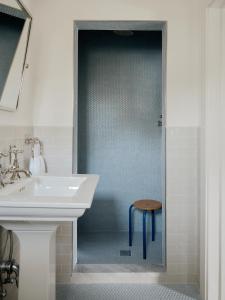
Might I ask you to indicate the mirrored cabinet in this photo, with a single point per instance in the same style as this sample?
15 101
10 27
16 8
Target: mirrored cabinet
15 26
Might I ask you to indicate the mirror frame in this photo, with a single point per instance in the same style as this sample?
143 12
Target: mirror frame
29 16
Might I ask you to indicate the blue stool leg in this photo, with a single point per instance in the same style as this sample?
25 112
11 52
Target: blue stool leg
130 225
153 225
144 234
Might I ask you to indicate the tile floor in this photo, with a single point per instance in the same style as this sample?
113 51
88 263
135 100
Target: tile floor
127 292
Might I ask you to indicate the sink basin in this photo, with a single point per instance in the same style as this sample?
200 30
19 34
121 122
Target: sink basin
41 198
32 208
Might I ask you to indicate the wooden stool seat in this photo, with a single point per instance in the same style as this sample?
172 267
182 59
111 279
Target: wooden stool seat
148 205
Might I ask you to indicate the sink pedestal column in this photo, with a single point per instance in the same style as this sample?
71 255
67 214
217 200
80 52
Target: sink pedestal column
37 277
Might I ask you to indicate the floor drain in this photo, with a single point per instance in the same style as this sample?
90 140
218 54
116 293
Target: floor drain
125 253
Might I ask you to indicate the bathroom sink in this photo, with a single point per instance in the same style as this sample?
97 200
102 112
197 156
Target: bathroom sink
47 198
33 208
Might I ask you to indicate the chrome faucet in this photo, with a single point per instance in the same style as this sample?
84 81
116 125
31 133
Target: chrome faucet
2 172
15 169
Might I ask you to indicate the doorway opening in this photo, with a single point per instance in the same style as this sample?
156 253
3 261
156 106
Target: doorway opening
121 137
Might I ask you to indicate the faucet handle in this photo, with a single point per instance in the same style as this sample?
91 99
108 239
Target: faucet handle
3 154
13 150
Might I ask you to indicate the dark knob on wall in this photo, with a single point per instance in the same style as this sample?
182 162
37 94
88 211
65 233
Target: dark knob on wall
160 121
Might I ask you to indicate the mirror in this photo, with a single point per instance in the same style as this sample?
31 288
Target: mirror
15 26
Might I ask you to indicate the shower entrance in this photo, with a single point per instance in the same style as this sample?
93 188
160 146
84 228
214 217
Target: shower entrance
120 136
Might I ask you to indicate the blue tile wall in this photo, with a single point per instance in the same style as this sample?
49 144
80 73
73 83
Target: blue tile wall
119 105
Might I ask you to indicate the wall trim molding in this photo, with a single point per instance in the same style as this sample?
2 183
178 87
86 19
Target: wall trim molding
213 212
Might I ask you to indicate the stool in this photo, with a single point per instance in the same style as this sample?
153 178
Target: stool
146 205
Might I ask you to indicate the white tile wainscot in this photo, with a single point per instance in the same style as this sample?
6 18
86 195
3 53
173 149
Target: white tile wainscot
183 202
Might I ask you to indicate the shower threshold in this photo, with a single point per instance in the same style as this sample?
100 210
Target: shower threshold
101 252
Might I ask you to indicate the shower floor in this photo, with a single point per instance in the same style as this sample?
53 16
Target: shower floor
100 252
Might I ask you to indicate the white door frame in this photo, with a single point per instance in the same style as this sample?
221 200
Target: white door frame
212 243
122 25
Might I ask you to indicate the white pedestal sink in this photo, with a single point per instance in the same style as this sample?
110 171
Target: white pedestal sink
32 209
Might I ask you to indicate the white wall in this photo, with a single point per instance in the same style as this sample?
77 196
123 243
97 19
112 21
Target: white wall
52 53
49 80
